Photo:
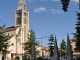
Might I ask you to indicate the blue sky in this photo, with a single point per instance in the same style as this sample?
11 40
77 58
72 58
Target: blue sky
46 17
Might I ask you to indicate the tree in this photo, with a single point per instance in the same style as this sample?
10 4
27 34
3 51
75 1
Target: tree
65 4
63 47
28 44
77 34
51 44
4 42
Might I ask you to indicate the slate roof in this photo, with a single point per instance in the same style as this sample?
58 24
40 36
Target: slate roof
12 28
73 39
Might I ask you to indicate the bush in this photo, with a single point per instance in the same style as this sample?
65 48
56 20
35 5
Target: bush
39 58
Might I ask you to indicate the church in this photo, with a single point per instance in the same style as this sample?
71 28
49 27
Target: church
19 31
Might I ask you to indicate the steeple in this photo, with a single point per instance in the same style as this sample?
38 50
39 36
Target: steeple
69 52
21 5
22 14
56 53
21 22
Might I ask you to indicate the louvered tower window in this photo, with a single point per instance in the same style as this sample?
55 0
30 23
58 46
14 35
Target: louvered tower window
18 19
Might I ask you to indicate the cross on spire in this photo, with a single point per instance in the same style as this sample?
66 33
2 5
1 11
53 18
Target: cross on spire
21 5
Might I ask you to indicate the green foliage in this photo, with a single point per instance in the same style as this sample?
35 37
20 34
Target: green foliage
65 4
39 58
28 44
24 57
77 34
4 41
63 47
51 44
16 58
1 27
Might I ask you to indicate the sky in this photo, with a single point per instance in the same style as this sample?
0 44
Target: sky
46 18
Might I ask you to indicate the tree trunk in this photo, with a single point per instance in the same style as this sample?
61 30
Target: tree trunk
4 56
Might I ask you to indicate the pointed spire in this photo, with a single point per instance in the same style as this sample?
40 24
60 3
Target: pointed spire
68 41
55 54
33 53
22 5
69 49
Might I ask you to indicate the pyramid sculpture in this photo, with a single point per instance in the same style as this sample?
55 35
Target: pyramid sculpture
33 53
69 55
55 54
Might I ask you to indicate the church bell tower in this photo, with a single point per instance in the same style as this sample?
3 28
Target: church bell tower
22 17
22 21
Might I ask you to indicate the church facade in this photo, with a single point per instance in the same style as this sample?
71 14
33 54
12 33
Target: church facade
19 31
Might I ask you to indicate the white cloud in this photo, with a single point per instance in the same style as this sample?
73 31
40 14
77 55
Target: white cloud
40 9
70 0
75 0
52 0
43 0
30 0
55 11
55 0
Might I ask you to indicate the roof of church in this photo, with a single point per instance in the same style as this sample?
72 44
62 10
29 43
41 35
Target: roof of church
8 29
73 39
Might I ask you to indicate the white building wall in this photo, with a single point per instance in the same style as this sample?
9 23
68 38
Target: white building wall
15 48
12 49
39 48
73 45
11 32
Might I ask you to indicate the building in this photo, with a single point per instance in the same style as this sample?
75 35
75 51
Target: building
19 31
46 53
73 41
